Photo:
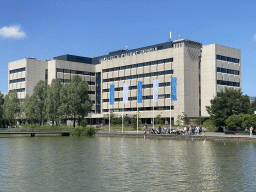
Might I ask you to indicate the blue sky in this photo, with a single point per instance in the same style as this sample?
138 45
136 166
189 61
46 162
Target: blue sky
49 28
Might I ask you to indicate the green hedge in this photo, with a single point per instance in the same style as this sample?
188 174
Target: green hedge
83 131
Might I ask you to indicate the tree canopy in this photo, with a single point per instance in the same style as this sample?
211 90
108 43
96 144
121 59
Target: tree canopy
28 111
53 101
1 107
75 99
57 102
38 101
11 106
227 103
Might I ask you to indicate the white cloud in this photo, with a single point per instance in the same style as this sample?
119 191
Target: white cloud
13 31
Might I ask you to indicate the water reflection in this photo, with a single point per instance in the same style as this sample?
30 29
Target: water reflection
125 164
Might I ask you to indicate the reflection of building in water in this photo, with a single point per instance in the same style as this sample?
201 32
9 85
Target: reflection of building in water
201 72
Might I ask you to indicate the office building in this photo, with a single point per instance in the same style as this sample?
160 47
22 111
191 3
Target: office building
201 71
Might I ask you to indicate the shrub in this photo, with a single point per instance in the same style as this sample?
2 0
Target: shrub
90 131
208 124
126 120
158 119
83 131
84 123
234 122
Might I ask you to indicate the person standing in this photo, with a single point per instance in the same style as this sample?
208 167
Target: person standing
184 129
251 131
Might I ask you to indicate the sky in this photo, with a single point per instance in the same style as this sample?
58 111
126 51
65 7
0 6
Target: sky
49 28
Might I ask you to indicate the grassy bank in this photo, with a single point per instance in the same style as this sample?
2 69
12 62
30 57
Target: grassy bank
77 131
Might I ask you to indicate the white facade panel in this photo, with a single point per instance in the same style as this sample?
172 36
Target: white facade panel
219 76
225 77
225 64
236 78
219 64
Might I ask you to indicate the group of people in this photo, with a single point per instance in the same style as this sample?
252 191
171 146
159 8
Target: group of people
190 130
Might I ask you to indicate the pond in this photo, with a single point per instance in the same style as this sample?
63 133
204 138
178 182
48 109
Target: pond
125 164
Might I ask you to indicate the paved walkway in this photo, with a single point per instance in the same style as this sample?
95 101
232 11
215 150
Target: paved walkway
208 134
221 134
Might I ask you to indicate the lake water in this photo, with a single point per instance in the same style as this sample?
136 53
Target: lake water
125 164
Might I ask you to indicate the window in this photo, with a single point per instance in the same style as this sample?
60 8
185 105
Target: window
162 73
148 63
224 70
123 67
59 70
153 62
229 59
17 80
141 65
223 58
20 90
160 61
128 66
168 60
155 74
18 70
229 83
80 72
91 92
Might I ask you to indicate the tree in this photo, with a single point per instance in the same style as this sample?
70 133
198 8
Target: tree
28 110
11 106
235 122
127 120
37 101
252 107
53 101
241 121
185 119
158 119
227 103
208 124
113 120
179 119
75 99
249 120
134 120
199 121
1 107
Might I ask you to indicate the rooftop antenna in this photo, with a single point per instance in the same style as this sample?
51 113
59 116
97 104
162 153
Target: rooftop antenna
92 55
179 36
170 36
126 48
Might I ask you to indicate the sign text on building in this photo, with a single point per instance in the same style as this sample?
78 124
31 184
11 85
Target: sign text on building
129 54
